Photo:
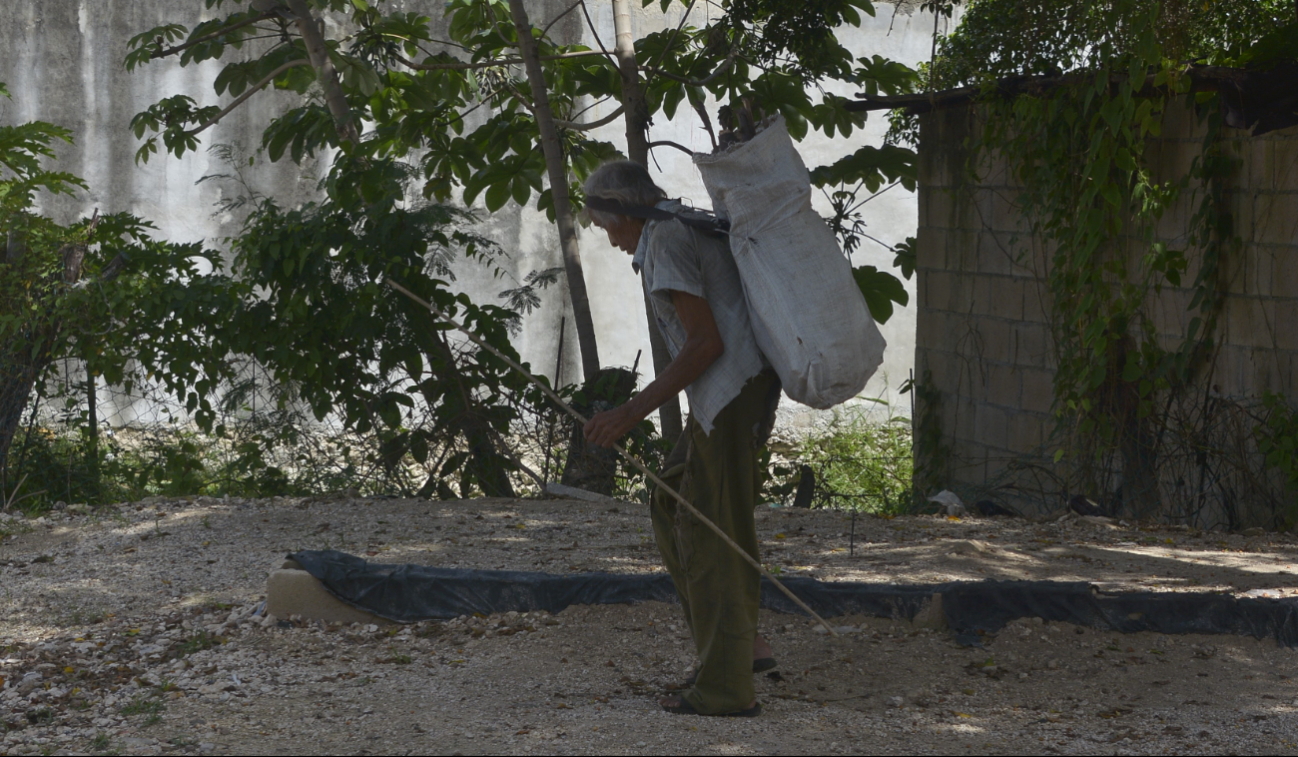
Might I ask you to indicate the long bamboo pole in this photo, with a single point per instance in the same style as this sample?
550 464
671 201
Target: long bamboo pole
438 314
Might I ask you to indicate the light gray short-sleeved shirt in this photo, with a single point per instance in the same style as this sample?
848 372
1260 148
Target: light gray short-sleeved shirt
674 257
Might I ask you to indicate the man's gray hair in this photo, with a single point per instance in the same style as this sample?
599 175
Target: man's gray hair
625 181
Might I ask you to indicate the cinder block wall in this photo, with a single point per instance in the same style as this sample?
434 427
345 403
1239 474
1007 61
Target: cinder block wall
983 335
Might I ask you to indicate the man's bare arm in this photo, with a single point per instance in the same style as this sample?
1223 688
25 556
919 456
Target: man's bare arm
702 347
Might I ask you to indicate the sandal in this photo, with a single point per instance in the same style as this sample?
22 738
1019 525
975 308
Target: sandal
685 708
760 665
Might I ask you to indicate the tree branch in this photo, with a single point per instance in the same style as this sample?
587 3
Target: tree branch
316 49
156 54
721 69
558 173
1202 78
669 143
249 93
488 63
574 126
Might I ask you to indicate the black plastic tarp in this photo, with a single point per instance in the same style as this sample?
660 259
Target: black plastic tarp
408 593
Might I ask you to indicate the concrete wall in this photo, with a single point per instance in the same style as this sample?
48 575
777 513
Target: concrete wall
983 312
63 64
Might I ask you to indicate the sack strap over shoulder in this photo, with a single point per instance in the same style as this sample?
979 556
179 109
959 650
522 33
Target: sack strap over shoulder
695 219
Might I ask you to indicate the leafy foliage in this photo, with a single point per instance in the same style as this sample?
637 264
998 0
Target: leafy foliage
1079 151
328 325
101 291
859 463
1004 38
417 97
1277 441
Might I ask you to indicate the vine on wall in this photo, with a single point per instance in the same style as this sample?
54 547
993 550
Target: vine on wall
1134 408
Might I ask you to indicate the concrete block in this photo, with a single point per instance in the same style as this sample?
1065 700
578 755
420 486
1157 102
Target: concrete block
997 340
1036 301
296 592
1243 323
930 248
1265 374
1005 213
959 415
1006 298
1258 157
1027 431
1233 364
935 289
1038 390
1250 272
1289 374
941 210
1169 312
923 198
991 425
1003 385
945 330
1275 219
1283 152
986 292
996 254
1177 154
1173 227
1180 125
1284 269
928 330
961 299
1032 346
1285 325
962 251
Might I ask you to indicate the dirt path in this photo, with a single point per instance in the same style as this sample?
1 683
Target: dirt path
134 633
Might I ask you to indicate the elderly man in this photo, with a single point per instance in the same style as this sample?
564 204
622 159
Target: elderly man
698 300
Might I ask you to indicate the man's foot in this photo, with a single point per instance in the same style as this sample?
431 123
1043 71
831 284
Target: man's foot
678 706
763 660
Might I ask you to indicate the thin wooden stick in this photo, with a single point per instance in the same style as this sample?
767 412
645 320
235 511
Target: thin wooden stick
437 313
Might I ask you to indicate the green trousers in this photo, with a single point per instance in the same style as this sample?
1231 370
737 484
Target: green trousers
719 474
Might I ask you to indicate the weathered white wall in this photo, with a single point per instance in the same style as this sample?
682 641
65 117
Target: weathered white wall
63 64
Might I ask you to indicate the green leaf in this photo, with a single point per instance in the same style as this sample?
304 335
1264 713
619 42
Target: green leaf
497 195
881 290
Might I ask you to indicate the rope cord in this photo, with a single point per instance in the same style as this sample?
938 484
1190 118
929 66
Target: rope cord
438 314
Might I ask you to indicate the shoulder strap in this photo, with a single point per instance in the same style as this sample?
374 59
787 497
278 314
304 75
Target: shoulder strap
695 219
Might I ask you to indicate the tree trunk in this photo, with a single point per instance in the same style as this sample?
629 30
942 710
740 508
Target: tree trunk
316 49
18 372
486 464
637 149
92 426
21 364
557 169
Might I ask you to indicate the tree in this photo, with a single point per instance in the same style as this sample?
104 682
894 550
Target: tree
388 71
768 52
101 291
350 346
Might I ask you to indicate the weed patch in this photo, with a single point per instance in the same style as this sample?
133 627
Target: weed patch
859 464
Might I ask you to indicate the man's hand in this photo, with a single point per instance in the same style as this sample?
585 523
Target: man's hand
702 347
604 429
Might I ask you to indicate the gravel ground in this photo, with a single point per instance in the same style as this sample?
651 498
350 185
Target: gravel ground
132 631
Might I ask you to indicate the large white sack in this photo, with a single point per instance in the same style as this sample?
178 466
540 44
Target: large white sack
810 319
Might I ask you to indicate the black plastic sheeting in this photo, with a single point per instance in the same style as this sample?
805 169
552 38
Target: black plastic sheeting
409 593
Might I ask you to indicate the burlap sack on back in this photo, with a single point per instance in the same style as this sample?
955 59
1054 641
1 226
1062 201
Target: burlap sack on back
810 319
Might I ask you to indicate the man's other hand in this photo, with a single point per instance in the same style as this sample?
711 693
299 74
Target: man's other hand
604 429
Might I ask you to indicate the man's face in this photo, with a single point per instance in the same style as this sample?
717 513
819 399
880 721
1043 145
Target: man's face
624 233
